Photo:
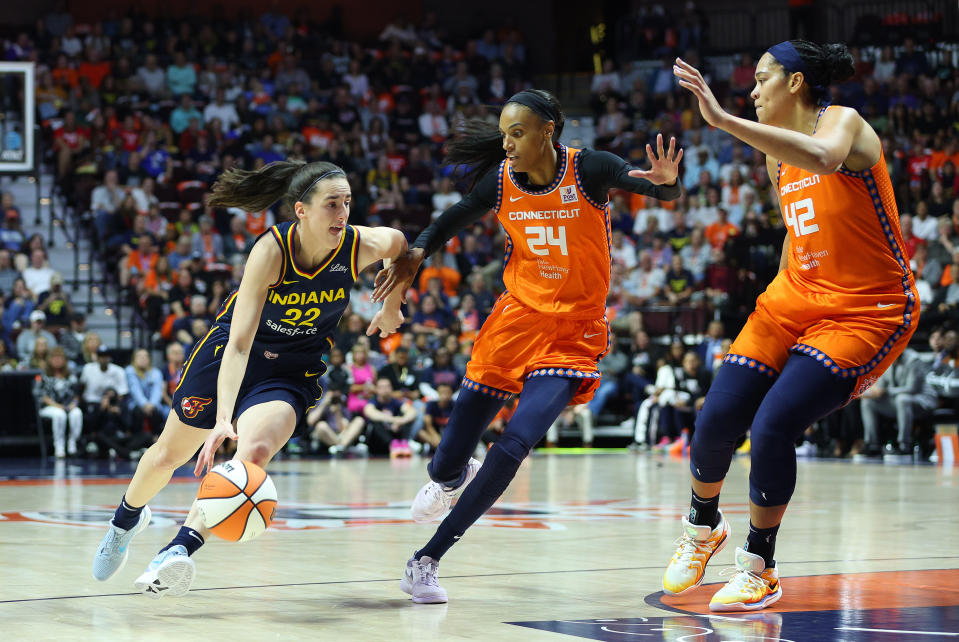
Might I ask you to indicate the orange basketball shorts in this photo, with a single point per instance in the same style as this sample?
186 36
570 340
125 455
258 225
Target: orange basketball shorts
853 335
517 343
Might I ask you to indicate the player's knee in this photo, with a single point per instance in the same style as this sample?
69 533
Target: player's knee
258 452
514 446
716 422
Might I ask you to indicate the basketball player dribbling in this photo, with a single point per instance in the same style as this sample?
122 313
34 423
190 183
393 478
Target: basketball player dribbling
260 363
842 308
546 333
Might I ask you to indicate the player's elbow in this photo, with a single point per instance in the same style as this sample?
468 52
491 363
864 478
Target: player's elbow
398 243
828 159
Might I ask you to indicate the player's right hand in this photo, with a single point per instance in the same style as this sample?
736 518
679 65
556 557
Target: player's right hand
221 431
399 274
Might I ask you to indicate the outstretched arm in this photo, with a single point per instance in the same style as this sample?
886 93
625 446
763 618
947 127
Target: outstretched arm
400 275
822 152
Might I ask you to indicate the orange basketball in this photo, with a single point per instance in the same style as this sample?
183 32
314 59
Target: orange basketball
237 500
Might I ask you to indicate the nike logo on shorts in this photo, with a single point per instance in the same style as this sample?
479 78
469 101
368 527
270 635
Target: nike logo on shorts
589 336
885 305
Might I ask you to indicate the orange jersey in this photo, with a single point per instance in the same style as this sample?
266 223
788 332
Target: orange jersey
844 231
557 243
848 297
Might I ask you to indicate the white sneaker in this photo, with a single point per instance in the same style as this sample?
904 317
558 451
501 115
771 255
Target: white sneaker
753 587
114 547
170 573
421 582
434 499
72 447
698 545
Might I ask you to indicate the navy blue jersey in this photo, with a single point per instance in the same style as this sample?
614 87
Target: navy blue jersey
302 308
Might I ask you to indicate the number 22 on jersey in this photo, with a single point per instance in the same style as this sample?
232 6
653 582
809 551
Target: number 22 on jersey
538 237
798 215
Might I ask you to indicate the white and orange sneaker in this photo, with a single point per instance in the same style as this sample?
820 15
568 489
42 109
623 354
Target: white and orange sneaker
753 587
687 568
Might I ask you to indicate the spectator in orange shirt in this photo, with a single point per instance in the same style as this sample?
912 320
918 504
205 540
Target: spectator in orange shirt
65 73
140 264
94 69
722 230
437 269
938 158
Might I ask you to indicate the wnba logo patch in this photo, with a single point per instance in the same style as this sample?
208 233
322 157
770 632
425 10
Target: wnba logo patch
568 194
192 406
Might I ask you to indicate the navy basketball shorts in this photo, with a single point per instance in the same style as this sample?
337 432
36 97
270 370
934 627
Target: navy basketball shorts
270 376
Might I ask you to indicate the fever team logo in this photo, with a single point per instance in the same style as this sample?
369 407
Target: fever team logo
192 406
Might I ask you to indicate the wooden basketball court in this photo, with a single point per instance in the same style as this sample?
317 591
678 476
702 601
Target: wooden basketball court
575 549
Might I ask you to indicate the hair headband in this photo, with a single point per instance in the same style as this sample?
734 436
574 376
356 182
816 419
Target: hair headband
539 105
320 178
785 53
787 56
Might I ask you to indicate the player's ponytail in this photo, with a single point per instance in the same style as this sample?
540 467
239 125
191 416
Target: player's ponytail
254 191
821 65
477 145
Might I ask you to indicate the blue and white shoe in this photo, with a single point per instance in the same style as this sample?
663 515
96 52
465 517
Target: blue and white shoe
113 550
170 573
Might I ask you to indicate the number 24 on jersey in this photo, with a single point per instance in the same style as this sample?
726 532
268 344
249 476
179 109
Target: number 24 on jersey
539 237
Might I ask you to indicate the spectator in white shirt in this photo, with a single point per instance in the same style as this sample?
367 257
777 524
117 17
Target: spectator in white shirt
223 110
645 284
445 197
38 274
924 226
433 123
106 198
357 80
623 250
152 77
101 376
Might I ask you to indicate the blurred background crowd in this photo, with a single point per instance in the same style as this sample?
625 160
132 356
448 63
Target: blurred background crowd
139 116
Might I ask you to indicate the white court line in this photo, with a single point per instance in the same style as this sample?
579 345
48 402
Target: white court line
856 628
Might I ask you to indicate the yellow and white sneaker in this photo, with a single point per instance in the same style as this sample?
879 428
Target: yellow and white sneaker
687 567
753 587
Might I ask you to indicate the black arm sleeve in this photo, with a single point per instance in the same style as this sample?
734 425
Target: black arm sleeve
602 171
480 200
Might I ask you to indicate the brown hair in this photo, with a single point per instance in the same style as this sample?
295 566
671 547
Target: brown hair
254 191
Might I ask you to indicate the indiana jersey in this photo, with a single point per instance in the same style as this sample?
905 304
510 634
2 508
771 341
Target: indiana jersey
844 231
557 242
302 308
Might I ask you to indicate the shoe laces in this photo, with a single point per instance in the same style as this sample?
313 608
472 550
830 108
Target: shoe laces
690 549
438 491
743 579
428 571
112 542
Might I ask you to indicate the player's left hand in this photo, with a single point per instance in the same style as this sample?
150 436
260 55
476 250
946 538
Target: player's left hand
385 320
664 168
690 78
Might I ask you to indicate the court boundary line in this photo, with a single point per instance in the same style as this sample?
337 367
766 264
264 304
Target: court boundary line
482 575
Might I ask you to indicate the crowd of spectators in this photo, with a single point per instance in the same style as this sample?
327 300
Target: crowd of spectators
142 116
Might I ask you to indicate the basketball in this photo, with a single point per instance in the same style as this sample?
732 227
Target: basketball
237 500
